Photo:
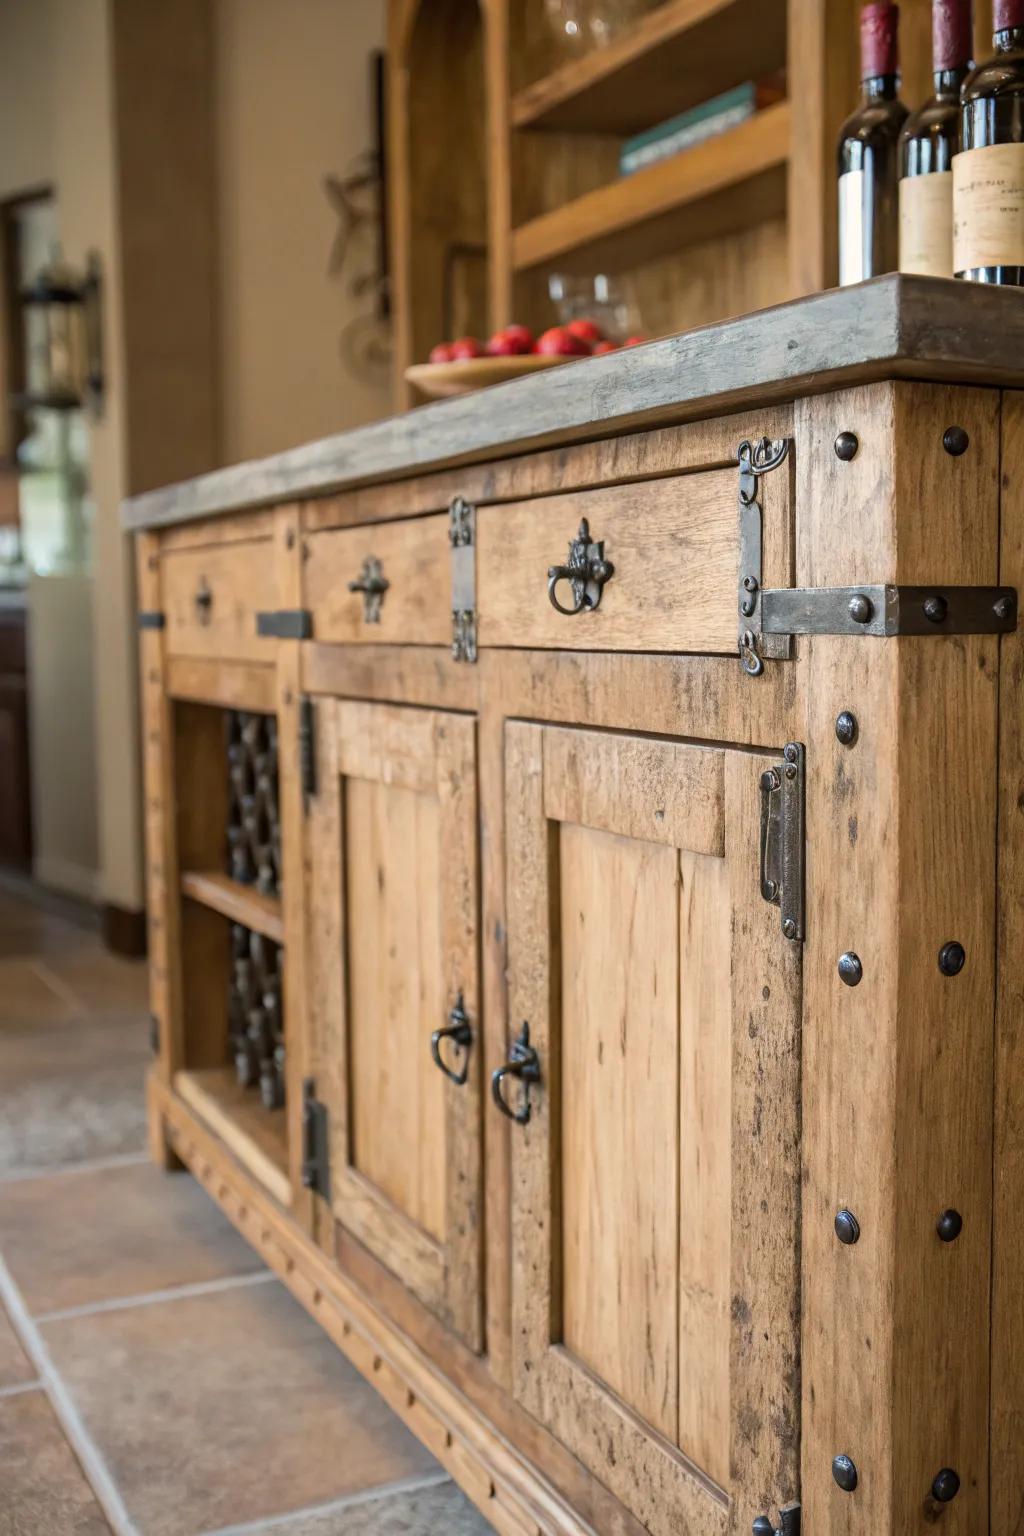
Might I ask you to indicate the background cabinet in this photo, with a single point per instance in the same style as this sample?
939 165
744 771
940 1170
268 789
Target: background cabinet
394 937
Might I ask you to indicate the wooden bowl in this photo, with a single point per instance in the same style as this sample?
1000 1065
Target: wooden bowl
438 380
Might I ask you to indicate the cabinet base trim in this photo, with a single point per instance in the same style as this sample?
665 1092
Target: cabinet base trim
507 1491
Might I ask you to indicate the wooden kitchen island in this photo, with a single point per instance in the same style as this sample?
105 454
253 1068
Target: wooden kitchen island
586 893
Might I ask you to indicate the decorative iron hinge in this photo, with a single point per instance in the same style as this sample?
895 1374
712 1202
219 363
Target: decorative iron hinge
462 538
755 459
152 618
782 838
285 624
889 610
789 1523
316 1162
154 1034
307 747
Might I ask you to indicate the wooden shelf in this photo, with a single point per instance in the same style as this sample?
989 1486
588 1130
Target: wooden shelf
258 1137
682 53
239 903
723 186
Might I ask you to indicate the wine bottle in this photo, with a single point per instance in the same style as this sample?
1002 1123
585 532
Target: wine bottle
868 153
988 174
930 139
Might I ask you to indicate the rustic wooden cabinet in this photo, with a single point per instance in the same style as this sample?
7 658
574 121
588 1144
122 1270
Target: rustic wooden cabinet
585 841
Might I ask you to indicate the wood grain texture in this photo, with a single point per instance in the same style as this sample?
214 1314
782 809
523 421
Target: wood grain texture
256 1136
913 834
240 581
895 326
674 547
1007 1450
416 609
230 684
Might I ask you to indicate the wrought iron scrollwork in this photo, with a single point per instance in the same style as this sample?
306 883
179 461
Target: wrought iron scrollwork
255 1018
254 826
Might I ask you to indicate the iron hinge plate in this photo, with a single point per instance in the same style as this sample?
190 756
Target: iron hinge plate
789 1523
888 610
462 538
782 838
285 624
152 618
307 747
316 1162
756 459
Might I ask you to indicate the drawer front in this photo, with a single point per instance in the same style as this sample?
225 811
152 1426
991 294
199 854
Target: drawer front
402 577
212 597
674 548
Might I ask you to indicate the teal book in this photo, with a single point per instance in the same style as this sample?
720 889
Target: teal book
689 128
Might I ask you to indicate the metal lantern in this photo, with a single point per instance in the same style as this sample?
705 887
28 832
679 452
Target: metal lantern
63 359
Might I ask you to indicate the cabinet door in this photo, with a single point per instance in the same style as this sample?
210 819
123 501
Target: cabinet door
656 1301
394 897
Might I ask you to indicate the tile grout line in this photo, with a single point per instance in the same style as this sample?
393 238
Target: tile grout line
90 1459
346 1501
153 1298
58 986
21 1386
85 1165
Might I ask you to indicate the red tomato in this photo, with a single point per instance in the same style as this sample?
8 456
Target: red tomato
442 353
466 347
604 346
559 342
521 333
506 344
586 330
634 341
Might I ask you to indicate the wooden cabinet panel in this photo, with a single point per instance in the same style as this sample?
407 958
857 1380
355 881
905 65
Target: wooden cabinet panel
674 545
413 557
655 1250
212 596
392 853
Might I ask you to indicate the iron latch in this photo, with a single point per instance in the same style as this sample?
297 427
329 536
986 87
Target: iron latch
307 747
285 624
789 1523
152 618
782 838
316 1162
462 538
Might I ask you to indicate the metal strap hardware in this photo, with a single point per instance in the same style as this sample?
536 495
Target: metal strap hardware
755 459
888 610
524 1063
460 1032
782 838
372 583
315 1144
285 624
152 619
307 746
462 538
586 572
789 1523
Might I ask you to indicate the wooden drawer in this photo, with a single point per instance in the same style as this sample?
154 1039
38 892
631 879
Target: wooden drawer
211 598
674 546
413 557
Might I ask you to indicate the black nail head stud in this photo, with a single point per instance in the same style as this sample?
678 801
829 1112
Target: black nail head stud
949 1226
955 441
952 957
845 1473
846 446
860 608
850 969
846 727
847 1227
946 1486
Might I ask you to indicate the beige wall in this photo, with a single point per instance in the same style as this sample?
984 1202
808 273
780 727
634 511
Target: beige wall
293 104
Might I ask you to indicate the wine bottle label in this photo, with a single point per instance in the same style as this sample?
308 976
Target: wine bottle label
988 207
926 224
851 228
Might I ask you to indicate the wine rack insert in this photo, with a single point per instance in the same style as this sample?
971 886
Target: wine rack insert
255 1016
254 823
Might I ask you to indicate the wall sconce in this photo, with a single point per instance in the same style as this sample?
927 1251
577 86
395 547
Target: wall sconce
63 339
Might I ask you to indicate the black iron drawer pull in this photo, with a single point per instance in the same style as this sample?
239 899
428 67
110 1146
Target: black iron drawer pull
524 1063
203 600
586 572
460 1032
372 583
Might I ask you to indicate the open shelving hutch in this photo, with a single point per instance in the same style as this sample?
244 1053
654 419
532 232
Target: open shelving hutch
503 160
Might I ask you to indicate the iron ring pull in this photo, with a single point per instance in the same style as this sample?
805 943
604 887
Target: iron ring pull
524 1063
586 570
459 1030
203 600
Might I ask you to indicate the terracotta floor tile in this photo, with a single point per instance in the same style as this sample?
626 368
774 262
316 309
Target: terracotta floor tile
15 1366
71 1091
100 981
72 1239
228 1407
44 1492
442 1511
28 997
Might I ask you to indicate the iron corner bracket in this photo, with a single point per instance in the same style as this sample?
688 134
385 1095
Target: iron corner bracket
285 624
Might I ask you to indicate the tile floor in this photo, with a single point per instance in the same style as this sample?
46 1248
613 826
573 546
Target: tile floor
155 1379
